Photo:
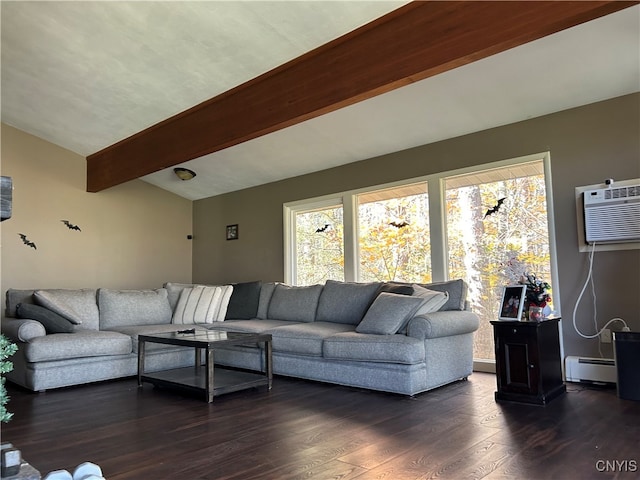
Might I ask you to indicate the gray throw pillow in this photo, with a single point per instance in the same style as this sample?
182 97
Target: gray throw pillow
50 320
389 313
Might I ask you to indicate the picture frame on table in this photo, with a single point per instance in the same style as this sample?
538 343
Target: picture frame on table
512 303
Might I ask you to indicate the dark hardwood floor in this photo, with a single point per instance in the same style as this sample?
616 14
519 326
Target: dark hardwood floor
316 431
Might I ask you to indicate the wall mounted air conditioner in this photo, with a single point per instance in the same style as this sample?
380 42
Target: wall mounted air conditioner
612 215
591 370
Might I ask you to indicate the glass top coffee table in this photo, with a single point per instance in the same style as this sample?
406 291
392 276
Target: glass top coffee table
206 378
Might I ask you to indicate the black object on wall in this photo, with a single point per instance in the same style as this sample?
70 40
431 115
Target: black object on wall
6 197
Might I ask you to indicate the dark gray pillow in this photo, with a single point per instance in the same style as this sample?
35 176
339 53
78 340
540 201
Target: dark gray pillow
399 288
389 313
457 290
50 320
243 304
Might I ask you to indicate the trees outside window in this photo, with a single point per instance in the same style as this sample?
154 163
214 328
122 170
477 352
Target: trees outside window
487 225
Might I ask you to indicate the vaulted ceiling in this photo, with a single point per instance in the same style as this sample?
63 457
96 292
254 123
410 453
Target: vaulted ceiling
88 75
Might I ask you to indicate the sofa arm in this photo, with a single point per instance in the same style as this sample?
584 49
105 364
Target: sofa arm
443 324
22 329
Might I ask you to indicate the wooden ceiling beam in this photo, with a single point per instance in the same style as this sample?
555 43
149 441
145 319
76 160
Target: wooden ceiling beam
412 43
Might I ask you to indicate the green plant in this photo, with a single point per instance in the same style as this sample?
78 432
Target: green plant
7 348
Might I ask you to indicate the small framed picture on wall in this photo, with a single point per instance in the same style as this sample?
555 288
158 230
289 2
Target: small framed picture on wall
232 232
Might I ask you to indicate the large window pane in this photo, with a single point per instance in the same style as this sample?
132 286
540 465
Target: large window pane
319 245
393 227
491 246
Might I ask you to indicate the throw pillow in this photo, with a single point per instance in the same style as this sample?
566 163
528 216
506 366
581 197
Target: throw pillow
389 313
433 300
59 304
457 290
201 304
51 321
243 304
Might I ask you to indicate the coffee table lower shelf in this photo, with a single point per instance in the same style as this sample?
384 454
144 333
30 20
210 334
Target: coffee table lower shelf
224 380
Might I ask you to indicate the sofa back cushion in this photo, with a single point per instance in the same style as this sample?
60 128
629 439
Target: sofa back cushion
13 298
295 304
344 302
173 292
77 306
266 292
120 308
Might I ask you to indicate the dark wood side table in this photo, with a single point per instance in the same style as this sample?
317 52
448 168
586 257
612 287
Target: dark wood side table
528 363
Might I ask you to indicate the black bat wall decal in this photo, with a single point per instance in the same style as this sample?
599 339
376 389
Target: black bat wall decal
495 208
399 224
322 229
70 225
27 242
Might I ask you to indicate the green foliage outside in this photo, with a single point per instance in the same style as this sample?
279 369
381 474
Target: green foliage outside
7 349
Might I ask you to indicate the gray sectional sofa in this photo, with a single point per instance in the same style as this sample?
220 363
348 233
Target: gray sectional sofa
391 337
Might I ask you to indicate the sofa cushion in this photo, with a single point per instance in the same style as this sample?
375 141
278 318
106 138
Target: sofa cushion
433 300
133 307
51 321
83 343
305 338
133 331
250 326
173 292
374 348
345 302
78 306
295 304
389 313
14 297
243 304
266 292
457 290
202 304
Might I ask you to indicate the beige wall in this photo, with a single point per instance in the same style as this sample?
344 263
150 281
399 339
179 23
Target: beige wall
587 145
132 235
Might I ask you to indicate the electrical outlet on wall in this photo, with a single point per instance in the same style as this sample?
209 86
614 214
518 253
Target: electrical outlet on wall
605 336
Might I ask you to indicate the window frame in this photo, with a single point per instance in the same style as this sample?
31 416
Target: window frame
437 224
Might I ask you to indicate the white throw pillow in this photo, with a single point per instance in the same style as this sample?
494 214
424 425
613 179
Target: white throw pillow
433 299
201 304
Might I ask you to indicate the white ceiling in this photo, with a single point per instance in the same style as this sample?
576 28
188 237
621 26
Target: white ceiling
85 75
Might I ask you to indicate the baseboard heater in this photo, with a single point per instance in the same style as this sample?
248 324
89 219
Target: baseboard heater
590 370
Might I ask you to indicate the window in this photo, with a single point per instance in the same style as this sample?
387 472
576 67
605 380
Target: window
496 230
393 238
319 244
487 224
